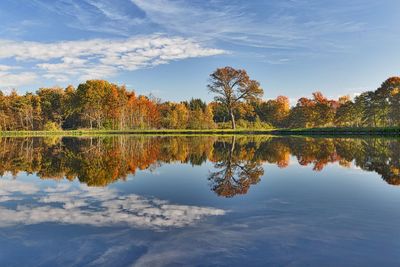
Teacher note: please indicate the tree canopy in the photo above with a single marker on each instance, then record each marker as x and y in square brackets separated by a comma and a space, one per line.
[99, 104]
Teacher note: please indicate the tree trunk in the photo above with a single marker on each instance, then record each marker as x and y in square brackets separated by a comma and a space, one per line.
[232, 119]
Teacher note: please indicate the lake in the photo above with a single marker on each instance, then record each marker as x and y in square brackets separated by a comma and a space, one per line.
[199, 201]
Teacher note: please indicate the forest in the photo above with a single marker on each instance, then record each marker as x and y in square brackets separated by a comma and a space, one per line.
[238, 103]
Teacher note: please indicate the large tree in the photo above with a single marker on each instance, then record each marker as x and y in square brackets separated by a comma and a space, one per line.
[231, 87]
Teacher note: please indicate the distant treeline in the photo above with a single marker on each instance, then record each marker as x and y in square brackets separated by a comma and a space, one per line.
[98, 104]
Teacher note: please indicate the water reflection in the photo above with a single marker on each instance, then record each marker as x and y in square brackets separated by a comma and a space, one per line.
[237, 160]
[66, 204]
[234, 171]
[170, 214]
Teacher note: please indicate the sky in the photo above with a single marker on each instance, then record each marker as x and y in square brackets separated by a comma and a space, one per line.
[168, 48]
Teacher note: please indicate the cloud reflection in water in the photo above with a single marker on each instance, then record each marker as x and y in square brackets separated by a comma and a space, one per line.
[67, 204]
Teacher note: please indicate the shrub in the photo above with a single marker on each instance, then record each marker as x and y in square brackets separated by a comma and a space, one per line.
[51, 126]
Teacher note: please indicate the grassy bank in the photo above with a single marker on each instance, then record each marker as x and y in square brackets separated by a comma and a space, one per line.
[135, 132]
[340, 131]
[300, 131]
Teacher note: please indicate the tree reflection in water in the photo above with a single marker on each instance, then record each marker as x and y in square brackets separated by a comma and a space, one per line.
[238, 161]
[235, 173]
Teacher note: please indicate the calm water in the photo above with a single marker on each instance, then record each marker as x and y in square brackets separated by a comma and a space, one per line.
[199, 201]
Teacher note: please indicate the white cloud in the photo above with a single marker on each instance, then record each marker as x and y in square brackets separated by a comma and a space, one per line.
[9, 80]
[93, 206]
[97, 58]
[9, 187]
[6, 68]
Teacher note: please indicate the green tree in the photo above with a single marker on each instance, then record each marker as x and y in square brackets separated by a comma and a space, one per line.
[390, 91]
[323, 109]
[346, 114]
[51, 101]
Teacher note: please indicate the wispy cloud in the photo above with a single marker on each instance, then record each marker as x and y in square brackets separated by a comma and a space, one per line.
[280, 25]
[271, 25]
[98, 58]
[96, 15]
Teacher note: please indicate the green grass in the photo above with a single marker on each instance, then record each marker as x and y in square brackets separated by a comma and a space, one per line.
[297, 131]
[135, 132]
[342, 132]
[349, 130]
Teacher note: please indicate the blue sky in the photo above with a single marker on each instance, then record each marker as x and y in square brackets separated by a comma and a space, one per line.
[169, 47]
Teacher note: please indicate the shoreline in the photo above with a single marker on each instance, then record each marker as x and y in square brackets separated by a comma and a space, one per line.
[378, 131]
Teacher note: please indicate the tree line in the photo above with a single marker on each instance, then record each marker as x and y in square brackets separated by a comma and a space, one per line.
[99, 104]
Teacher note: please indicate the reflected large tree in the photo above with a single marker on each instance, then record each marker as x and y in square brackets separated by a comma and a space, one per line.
[234, 172]
[232, 86]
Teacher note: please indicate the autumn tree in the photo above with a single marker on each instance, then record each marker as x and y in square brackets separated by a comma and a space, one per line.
[91, 101]
[390, 89]
[100, 104]
[302, 115]
[274, 111]
[52, 104]
[345, 113]
[179, 116]
[200, 115]
[147, 115]
[315, 112]
[71, 108]
[3, 112]
[325, 109]
[231, 86]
